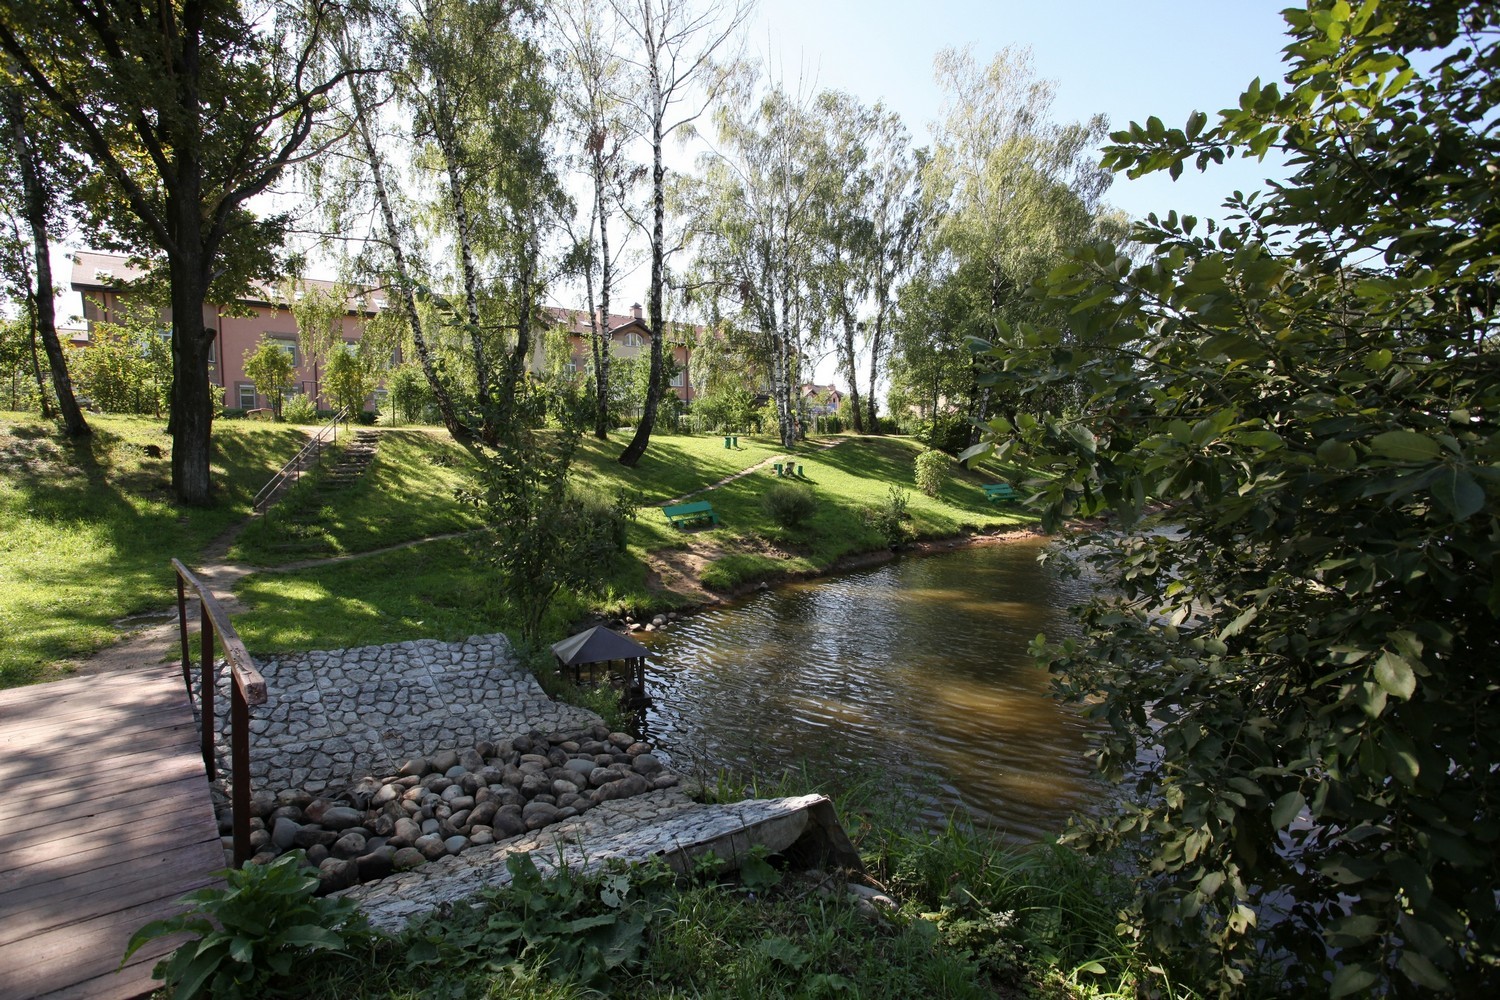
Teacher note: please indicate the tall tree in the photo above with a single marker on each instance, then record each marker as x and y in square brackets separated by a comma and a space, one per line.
[674, 83]
[759, 236]
[1297, 679]
[187, 110]
[592, 77]
[38, 205]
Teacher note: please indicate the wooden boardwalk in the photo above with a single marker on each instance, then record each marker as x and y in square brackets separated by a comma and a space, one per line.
[105, 820]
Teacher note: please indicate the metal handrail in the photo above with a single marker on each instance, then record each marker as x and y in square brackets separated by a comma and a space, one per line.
[293, 469]
[248, 688]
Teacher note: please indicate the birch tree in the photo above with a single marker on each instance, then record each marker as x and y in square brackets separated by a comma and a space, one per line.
[671, 55]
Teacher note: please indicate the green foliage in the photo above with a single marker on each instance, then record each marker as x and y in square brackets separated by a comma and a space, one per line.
[299, 409]
[349, 379]
[581, 929]
[934, 468]
[254, 934]
[270, 367]
[1297, 676]
[890, 519]
[789, 504]
[542, 534]
[127, 365]
[410, 395]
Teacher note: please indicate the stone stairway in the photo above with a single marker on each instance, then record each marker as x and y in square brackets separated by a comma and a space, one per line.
[356, 458]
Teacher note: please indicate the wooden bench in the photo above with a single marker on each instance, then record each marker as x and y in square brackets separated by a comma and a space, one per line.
[686, 513]
[1000, 493]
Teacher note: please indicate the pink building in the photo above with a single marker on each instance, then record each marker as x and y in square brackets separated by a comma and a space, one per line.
[98, 277]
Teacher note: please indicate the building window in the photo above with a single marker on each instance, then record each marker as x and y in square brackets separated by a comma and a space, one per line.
[680, 379]
[290, 347]
[633, 339]
[380, 397]
[246, 393]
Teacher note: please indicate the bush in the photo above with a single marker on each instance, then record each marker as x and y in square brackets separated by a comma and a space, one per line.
[789, 504]
[933, 470]
[299, 410]
[890, 520]
[366, 418]
[254, 933]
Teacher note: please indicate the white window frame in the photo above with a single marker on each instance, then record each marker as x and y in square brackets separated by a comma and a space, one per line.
[239, 392]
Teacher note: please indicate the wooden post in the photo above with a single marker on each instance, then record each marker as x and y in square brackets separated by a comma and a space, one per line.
[187, 656]
[239, 753]
[206, 623]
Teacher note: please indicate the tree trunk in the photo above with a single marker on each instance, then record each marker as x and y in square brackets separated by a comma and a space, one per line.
[192, 399]
[36, 198]
[637, 447]
[601, 326]
[876, 345]
[850, 360]
[405, 286]
[36, 367]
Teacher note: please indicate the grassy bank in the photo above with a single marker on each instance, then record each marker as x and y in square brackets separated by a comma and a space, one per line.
[87, 528]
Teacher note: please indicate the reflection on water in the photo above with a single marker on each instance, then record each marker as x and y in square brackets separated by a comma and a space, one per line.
[914, 674]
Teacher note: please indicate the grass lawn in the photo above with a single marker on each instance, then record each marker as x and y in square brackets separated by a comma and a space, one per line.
[406, 493]
[89, 527]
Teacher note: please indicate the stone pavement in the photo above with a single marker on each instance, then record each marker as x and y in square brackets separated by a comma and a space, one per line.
[335, 716]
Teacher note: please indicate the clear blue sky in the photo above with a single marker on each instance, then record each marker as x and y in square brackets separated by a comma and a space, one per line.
[1127, 59]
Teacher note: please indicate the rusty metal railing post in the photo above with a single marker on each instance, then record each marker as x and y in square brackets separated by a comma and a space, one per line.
[187, 656]
[206, 624]
[239, 756]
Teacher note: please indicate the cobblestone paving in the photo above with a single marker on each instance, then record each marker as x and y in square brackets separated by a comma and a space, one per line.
[334, 716]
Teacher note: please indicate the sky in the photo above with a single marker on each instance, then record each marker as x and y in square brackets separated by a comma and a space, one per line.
[1126, 59]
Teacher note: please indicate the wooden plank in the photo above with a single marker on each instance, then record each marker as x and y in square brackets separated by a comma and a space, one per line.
[102, 811]
[27, 728]
[39, 848]
[36, 765]
[80, 692]
[60, 911]
[163, 864]
[58, 959]
[38, 798]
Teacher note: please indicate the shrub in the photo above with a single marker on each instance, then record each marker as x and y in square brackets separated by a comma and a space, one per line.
[253, 933]
[890, 520]
[933, 470]
[789, 504]
[299, 410]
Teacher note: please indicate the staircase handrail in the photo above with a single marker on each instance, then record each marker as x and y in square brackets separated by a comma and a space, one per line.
[293, 468]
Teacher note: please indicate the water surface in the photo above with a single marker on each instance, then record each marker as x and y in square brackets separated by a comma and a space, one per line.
[914, 674]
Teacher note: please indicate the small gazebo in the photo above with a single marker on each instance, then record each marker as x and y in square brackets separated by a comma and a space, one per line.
[602, 645]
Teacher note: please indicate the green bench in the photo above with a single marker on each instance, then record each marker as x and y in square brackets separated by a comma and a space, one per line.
[1000, 493]
[686, 513]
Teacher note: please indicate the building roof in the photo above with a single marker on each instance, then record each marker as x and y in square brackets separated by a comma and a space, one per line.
[597, 645]
[94, 272]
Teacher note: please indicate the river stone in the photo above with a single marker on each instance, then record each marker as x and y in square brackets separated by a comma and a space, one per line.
[341, 817]
[461, 803]
[484, 748]
[566, 812]
[580, 765]
[484, 812]
[362, 792]
[284, 834]
[317, 854]
[636, 749]
[431, 847]
[377, 864]
[508, 822]
[430, 826]
[387, 793]
[383, 825]
[407, 831]
[624, 788]
[455, 772]
[456, 843]
[666, 780]
[521, 744]
[621, 740]
[263, 858]
[481, 836]
[262, 803]
[350, 845]
[535, 784]
[444, 759]
[315, 810]
[258, 840]
[293, 813]
[293, 797]
[416, 767]
[647, 764]
[457, 821]
[538, 815]
[451, 792]
[600, 776]
[307, 836]
[561, 788]
[407, 858]
[471, 760]
[335, 874]
[471, 783]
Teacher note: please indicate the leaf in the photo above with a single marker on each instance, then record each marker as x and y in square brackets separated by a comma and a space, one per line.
[1353, 979]
[1395, 676]
[1420, 970]
[779, 949]
[1405, 446]
[1457, 492]
[311, 936]
[1287, 808]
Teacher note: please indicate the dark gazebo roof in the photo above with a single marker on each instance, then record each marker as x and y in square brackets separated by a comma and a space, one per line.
[597, 645]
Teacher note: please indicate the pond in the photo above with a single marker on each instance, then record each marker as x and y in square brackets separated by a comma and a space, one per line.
[914, 675]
